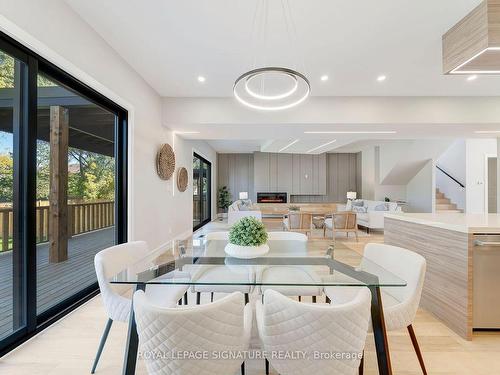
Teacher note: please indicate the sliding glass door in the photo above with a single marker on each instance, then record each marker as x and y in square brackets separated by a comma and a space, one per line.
[63, 186]
[12, 271]
[202, 182]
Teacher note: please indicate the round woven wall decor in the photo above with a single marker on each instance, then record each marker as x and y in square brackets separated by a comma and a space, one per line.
[165, 162]
[182, 179]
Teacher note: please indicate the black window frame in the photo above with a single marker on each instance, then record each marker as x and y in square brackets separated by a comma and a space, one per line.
[25, 185]
[209, 219]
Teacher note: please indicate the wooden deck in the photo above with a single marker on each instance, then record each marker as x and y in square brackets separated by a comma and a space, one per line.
[55, 282]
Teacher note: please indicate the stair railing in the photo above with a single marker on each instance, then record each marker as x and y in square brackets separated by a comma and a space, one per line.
[450, 176]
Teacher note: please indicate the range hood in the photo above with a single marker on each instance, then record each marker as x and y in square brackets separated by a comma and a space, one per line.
[472, 46]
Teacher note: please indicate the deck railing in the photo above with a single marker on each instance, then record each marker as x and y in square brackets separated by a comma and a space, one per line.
[82, 218]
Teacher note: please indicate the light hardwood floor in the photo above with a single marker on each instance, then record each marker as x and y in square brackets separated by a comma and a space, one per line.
[69, 346]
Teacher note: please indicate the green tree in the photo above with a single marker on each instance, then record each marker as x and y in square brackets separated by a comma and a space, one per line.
[6, 178]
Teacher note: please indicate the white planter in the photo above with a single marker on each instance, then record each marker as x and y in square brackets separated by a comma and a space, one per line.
[246, 252]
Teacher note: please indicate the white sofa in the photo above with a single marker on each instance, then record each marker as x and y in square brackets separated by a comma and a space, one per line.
[238, 210]
[372, 218]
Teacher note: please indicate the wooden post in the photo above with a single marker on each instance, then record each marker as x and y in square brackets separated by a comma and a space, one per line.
[58, 196]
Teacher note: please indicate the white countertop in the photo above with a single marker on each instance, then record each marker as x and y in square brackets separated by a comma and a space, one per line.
[466, 223]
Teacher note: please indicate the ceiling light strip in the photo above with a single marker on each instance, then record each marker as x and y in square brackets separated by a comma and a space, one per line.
[351, 132]
[455, 71]
[289, 145]
[321, 146]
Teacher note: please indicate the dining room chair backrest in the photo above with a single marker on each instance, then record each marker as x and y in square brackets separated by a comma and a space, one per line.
[299, 220]
[407, 265]
[223, 326]
[288, 326]
[108, 263]
[344, 220]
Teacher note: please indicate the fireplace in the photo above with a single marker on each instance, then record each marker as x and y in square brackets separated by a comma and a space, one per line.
[271, 197]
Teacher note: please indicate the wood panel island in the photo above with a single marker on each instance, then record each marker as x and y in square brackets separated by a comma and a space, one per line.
[456, 248]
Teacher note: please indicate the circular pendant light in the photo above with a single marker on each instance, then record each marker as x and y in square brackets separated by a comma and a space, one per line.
[272, 88]
[285, 98]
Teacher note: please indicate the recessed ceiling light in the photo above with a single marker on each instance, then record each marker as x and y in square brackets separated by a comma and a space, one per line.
[324, 78]
[381, 78]
[472, 78]
[487, 131]
[351, 132]
[201, 79]
[288, 145]
[321, 146]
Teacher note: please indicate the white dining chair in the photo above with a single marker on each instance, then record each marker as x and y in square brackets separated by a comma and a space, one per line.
[231, 276]
[287, 326]
[111, 261]
[296, 246]
[220, 327]
[400, 304]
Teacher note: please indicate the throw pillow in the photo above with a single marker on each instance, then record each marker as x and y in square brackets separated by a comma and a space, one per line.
[360, 210]
[382, 207]
[358, 203]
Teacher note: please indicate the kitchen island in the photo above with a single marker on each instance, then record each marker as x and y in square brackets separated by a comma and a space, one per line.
[452, 243]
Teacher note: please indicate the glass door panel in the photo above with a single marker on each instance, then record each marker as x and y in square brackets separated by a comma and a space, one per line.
[201, 191]
[12, 275]
[75, 191]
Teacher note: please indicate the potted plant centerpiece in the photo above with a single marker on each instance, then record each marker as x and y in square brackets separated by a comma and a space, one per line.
[247, 239]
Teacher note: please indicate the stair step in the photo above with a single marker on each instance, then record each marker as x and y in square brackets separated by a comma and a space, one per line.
[439, 195]
[450, 211]
[446, 206]
[443, 201]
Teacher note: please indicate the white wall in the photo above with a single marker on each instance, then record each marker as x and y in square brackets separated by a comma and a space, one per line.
[453, 161]
[475, 171]
[420, 191]
[157, 212]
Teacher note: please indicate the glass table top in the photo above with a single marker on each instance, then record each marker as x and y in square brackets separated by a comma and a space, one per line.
[202, 261]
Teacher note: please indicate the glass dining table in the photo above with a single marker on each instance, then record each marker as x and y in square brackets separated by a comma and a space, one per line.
[203, 263]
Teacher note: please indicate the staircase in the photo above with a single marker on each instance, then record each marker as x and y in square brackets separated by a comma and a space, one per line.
[444, 204]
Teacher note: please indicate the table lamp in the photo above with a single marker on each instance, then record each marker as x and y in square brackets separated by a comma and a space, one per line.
[243, 195]
[351, 195]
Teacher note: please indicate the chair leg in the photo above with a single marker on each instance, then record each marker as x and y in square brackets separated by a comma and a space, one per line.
[417, 348]
[243, 368]
[247, 298]
[101, 344]
[327, 300]
[267, 367]
[300, 298]
[314, 299]
[356, 234]
[186, 298]
[198, 298]
[211, 296]
[362, 364]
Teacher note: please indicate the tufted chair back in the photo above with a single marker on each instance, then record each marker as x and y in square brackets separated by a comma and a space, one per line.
[220, 327]
[405, 264]
[290, 326]
[109, 262]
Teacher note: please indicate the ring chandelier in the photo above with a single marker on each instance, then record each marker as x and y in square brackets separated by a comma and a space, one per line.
[272, 88]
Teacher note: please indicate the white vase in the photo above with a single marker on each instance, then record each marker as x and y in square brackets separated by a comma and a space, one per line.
[246, 252]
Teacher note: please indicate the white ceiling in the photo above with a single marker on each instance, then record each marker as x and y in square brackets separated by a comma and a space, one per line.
[170, 43]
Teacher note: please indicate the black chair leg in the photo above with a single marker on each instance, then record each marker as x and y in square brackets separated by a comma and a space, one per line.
[267, 367]
[327, 299]
[243, 368]
[314, 299]
[417, 348]
[300, 298]
[211, 296]
[362, 364]
[186, 298]
[247, 298]
[101, 344]
[198, 298]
